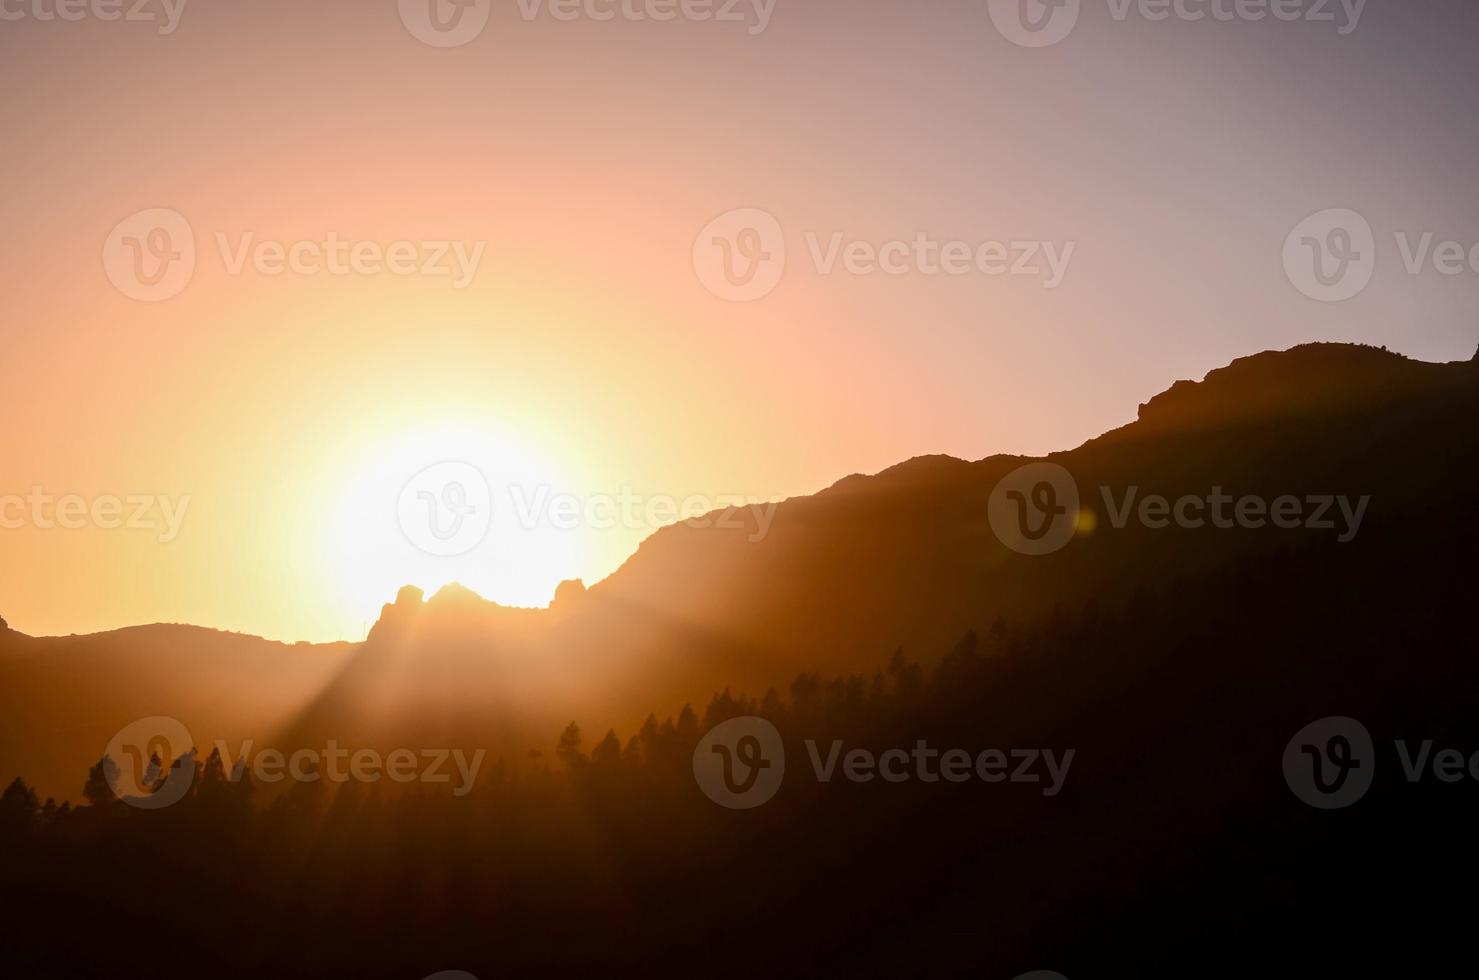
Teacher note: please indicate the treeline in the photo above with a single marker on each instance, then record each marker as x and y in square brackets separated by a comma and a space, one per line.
[657, 749]
[1174, 849]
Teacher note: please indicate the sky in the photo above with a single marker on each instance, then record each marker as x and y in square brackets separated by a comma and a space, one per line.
[281, 280]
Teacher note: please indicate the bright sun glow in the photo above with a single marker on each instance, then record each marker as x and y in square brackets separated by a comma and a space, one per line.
[383, 529]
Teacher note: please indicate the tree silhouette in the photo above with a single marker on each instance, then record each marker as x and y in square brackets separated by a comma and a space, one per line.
[101, 778]
[908, 677]
[18, 806]
[607, 754]
[567, 750]
[687, 725]
[621, 863]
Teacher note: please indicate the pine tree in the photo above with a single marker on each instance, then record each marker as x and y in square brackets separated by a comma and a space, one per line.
[101, 778]
[687, 725]
[213, 788]
[18, 806]
[568, 748]
[771, 706]
[649, 737]
[607, 755]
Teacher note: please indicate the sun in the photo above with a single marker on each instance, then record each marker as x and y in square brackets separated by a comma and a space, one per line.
[444, 504]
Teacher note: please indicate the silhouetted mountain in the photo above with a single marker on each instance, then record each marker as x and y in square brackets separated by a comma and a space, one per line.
[835, 582]
[63, 698]
[1174, 848]
[907, 557]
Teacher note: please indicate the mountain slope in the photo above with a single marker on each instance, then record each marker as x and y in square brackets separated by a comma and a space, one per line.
[906, 557]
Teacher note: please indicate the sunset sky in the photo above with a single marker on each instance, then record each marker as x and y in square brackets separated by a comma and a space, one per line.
[580, 160]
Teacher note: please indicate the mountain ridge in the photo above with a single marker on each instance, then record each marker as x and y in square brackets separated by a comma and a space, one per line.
[1270, 370]
[840, 579]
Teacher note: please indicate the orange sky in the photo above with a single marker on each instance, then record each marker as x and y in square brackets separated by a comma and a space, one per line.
[585, 356]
